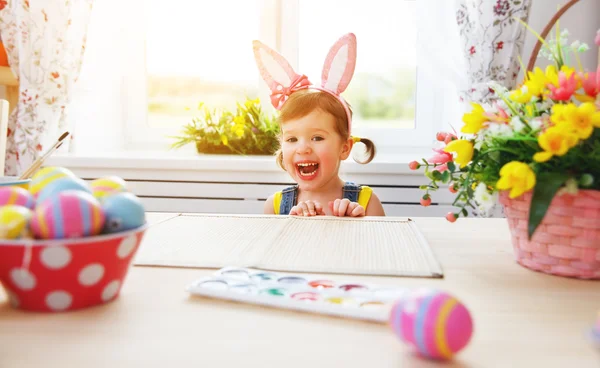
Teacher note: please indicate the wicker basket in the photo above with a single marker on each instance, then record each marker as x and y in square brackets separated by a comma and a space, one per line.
[566, 243]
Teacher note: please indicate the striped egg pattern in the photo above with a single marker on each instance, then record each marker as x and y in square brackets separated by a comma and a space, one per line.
[16, 196]
[47, 175]
[70, 214]
[103, 187]
[435, 323]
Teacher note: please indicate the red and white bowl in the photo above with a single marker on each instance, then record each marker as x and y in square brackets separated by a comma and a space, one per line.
[67, 274]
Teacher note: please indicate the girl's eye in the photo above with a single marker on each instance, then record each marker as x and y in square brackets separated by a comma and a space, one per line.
[291, 139]
[317, 139]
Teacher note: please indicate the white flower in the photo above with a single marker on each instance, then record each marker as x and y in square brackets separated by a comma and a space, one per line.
[485, 200]
[536, 123]
[571, 187]
[517, 124]
[500, 130]
[498, 88]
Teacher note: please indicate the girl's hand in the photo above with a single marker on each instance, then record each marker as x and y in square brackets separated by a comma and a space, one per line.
[307, 208]
[343, 207]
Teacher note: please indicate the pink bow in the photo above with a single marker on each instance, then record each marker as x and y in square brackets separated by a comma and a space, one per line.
[278, 97]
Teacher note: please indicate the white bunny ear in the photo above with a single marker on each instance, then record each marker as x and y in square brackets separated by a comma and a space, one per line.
[273, 67]
[339, 64]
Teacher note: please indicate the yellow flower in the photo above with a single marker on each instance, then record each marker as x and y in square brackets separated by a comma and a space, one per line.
[249, 103]
[580, 119]
[558, 114]
[555, 141]
[537, 82]
[224, 139]
[521, 95]
[516, 176]
[463, 149]
[239, 120]
[474, 120]
[239, 130]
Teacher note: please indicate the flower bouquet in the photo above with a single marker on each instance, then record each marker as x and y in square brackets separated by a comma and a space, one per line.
[536, 150]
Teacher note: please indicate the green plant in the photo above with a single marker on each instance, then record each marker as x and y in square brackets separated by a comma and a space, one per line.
[246, 131]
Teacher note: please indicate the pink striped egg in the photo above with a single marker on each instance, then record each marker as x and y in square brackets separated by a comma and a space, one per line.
[16, 196]
[435, 323]
[69, 214]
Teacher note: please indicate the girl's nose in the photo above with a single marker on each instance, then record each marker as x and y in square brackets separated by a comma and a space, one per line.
[304, 147]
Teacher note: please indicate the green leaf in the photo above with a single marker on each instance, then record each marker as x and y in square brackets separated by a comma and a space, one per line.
[547, 184]
[446, 177]
[436, 175]
[496, 22]
[451, 166]
[423, 187]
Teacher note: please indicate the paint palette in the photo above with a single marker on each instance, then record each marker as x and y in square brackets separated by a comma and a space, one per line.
[301, 292]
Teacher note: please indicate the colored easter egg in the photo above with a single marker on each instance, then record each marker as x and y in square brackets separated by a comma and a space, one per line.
[14, 221]
[123, 211]
[435, 323]
[69, 214]
[46, 176]
[103, 187]
[60, 185]
[17, 196]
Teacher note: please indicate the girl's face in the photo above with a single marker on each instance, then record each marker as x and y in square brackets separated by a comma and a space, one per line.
[312, 150]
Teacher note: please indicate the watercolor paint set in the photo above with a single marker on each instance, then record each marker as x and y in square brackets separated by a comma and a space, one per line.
[300, 292]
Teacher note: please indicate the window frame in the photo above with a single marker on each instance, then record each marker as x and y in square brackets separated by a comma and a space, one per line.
[389, 141]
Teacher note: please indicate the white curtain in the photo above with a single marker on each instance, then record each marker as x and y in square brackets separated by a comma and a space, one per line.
[440, 63]
[45, 43]
[112, 79]
[491, 40]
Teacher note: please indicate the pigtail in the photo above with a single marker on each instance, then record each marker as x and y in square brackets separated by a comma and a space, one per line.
[369, 151]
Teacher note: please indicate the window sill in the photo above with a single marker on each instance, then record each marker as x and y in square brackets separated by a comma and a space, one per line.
[174, 161]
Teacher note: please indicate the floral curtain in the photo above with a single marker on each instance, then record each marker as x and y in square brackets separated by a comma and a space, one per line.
[491, 41]
[45, 43]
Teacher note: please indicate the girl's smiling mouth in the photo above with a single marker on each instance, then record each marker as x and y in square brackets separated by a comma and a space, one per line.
[307, 170]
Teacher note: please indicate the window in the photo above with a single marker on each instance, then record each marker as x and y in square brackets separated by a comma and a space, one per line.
[167, 57]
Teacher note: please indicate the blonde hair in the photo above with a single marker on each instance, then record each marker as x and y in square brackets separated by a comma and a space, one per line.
[303, 102]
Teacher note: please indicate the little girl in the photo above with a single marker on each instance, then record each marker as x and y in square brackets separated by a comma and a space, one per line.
[316, 136]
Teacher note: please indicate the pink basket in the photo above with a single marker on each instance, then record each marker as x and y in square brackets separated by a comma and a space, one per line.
[566, 243]
[67, 274]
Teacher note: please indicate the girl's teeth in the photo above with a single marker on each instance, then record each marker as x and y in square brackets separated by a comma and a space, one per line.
[308, 174]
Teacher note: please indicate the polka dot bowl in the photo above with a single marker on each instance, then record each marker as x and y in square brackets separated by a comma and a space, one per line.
[67, 274]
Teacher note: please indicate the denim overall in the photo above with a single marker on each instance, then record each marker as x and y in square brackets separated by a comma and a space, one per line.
[289, 196]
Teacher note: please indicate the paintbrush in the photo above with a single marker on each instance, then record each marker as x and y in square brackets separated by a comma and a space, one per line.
[38, 163]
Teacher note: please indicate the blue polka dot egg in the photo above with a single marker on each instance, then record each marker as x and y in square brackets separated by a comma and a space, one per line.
[123, 211]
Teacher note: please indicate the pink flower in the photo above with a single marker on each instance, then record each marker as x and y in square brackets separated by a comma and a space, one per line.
[414, 165]
[591, 83]
[500, 117]
[450, 137]
[440, 157]
[441, 168]
[441, 136]
[566, 87]
[451, 217]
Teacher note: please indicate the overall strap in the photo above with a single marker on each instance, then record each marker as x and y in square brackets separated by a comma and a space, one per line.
[351, 191]
[288, 199]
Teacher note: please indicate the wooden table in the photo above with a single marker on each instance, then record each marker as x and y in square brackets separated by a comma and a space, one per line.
[522, 319]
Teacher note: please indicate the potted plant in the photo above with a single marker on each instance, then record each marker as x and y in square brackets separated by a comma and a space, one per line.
[536, 149]
[246, 131]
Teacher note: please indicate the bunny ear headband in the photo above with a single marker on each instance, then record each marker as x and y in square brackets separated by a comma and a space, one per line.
[283, 80]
